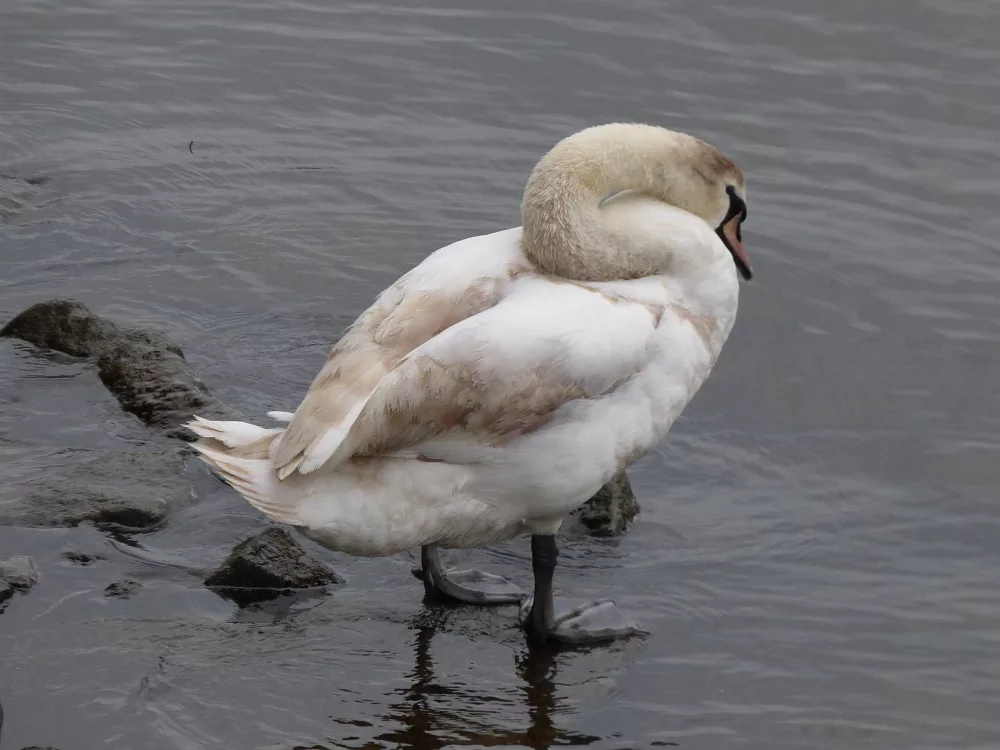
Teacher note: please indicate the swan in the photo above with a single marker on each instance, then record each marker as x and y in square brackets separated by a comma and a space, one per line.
[497, 385]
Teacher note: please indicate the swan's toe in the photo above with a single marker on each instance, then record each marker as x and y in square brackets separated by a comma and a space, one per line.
[594, 622]
[472, 587]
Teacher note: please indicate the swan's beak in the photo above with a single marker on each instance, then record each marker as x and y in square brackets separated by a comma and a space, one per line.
[731, 237]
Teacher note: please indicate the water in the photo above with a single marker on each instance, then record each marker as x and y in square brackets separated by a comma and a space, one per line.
[817, 553]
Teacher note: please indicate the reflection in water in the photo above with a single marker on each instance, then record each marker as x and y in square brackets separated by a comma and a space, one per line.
[424, 722]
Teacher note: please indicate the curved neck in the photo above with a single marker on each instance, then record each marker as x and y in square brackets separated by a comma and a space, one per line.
[566, 232]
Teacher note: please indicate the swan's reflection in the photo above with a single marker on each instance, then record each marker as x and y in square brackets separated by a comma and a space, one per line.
[430, 716]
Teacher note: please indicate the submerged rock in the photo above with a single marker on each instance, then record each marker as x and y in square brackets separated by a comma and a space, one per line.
[611, 510]
[267, 565]
[16, 573]
[15, 192]
[122, 589]
[143, 369]
[132, 491]
[82, 558]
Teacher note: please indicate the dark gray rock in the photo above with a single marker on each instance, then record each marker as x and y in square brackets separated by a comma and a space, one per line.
[132, 491]
[143, 369]
[611, 510]
[266, 565]
[64, 325]
[151, 379]
[122, 589]
[82, 558]
[16, 573]
[19, 572]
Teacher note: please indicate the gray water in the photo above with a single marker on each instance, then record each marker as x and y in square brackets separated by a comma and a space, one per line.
[818, 553]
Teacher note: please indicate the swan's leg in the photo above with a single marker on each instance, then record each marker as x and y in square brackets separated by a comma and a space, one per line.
[470, 586]
[593, 622]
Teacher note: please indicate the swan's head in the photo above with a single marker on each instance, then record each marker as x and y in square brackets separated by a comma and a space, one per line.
[587, 168]
[699, 178]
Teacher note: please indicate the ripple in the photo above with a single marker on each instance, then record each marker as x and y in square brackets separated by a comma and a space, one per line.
[816, 548]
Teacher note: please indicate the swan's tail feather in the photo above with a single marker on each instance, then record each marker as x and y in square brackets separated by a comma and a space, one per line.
[239, 453]
[243, 438]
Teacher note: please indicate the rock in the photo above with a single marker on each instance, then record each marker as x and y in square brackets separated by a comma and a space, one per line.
[82, 558]
[130, 491]
[16, 573]
[143, 369]
[122, 589]
[266, 565]
[19, 572]
[61, 324]
[151, 379]
[609, 512]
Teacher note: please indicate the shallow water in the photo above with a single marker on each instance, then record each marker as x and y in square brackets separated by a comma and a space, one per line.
[817, 553]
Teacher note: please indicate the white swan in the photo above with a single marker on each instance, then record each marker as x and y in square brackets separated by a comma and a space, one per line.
[500, 383]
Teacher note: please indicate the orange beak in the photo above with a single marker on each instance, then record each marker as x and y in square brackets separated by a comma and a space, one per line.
[731, 237]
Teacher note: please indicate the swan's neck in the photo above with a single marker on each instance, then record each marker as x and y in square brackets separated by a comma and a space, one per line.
[567, 233]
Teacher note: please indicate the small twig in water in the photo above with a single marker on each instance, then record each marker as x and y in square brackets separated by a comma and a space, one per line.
[191, 147]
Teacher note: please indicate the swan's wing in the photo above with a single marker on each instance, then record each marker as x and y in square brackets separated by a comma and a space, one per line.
[452, 284]
[504, 371]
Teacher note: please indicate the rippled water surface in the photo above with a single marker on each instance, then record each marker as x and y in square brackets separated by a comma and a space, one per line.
[818, 551]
